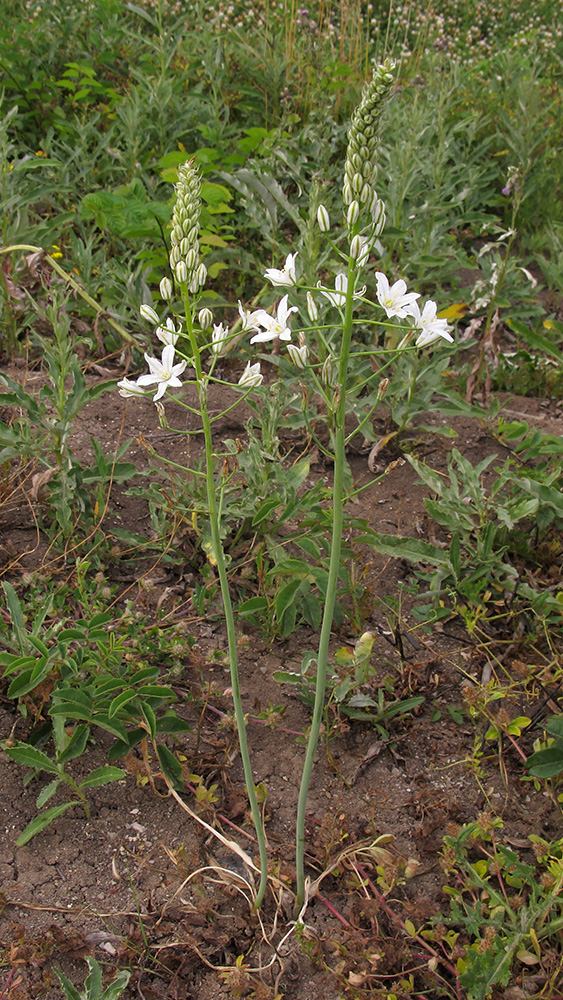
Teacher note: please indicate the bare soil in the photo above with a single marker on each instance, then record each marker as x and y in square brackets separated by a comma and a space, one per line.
[143, 885]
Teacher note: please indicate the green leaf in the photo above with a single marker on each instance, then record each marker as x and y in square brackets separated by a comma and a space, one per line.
[170, 723]
[554, 725]
[40, 822]
[47, 793]
[535, 339]
[16, 615]
[70, 990]
[76, 744]
[546, 763]
[30, 757]
[102, 776]
[93, 981]
[156, 691]
[112, 726]
[115, 988]
[265, 509]
[284, 599]
[170, 766]
[412, 549]
[122, 699]
[150, 719]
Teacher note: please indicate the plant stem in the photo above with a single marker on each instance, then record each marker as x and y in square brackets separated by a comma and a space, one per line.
[219, 556]
[330, 599]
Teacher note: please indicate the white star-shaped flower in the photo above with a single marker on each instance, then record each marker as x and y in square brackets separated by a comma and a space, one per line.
[164, 374]
[251, 375]
[394, 298]
[273, 326]
[287, 275]
[128, 388]
[168, 334]
[338, 296]
[431, 327]
[219, 338]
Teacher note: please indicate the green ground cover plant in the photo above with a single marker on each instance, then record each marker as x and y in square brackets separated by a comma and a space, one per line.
[175, 172]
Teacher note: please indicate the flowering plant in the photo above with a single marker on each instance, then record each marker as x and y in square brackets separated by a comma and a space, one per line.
[317, 356]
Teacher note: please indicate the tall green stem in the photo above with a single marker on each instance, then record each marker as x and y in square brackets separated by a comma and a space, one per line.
[330, 599]
[202, 382]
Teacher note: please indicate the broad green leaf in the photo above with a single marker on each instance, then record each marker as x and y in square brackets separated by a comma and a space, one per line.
[30, 757]
[554, 725]
[170, 766]
[71, 993]
[546, 763]
[40, 822]
[115, 988]
[93, 981]
[155, 691]
[122, 699]
[76, 745]
[412, 549]
[102, 776]
[284, 599]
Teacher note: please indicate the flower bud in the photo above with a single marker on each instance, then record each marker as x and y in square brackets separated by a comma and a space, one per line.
[382, 389]
[328, 374]
[323, 219]
[181, 272]
[352, 213]
[312, 308]
[166, 289]
[298, 355]
[347, 193]
[191, 259]
[205, 317]
[148, 313]
[356, 247]
[201, 275]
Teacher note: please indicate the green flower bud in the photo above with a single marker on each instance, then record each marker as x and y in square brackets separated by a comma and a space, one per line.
[360, 169]
[323, 219]
[166, 289]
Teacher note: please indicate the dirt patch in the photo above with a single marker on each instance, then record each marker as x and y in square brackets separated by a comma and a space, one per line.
[142, 884]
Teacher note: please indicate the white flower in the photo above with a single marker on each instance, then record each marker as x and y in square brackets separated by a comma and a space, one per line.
[338, 297]
[298, 355]
[251, 375]
[395, 299]
[148, 313]
[128, 388]
[428, 323]
[168, 334]
[287, 275]
[247, 318]
[273, 326]
[219, 338]
[163, 373]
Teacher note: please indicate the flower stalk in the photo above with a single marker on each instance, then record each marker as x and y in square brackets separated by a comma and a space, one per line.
[332, 584]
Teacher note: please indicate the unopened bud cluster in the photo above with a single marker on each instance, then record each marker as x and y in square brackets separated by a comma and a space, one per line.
[184, 238]
[360, 170]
